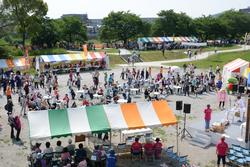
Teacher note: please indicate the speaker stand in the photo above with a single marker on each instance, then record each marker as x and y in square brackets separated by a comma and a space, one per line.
[184, 130]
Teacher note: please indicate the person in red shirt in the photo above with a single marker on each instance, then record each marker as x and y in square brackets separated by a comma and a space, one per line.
[66, 100]
[207, 117]
[85, 102]
[136, 147]
[149, 149]
[221, 151]
[157, 148]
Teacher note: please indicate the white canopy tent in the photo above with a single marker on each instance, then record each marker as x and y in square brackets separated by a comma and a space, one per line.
[235, 67]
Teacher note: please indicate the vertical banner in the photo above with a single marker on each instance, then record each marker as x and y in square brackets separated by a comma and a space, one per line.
[85, 49]
[37, 63]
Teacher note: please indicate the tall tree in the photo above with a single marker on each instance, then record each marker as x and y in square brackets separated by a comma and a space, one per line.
[170, 23]
[25, 14]
[237, 23]
[47, 33]
[74, 30]
[121, 26]
[208, 27]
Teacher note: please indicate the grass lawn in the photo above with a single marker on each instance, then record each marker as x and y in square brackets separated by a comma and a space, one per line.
[115, 59]
[220, 59]
[148, 56]
[108, 50]
[211, 48]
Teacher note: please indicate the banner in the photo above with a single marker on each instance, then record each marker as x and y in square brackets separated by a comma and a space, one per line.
[193, 44]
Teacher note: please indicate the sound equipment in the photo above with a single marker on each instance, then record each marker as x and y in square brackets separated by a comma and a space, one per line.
[187, 108]
[241, 89]
[235, 88]
[178, 105]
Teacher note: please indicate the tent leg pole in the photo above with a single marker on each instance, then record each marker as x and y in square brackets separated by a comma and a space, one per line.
[110, 138]
[177, 140]
[120, 136]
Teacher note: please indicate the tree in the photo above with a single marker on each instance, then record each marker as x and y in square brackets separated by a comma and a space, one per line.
[47, 33]
[236, 23]
[121, 26]
[73, 30]
[208, 27]
[25, 14]
[170, 23]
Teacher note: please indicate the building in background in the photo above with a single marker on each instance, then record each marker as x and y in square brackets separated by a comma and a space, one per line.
[246, 10]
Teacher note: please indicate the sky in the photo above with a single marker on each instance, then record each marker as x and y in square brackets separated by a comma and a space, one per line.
[97, 9]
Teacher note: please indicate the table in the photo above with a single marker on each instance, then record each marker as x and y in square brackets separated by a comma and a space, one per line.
[176, 88]
[79, 93]
[97, 96]
[122, 101]
[47, 97]
[134, 90]
[157, 93]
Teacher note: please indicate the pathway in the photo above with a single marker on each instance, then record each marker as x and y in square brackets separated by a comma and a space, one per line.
[203, 55]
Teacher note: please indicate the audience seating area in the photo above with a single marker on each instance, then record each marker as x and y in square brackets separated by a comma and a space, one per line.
[176, 160]
[238, 156]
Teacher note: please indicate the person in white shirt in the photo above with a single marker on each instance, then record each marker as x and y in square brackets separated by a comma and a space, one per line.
[242, 107]
[48, 149]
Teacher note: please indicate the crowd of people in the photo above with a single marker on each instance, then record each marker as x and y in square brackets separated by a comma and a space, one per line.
[41, 90]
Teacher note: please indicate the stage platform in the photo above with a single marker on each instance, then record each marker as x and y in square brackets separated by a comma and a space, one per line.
[233, 132]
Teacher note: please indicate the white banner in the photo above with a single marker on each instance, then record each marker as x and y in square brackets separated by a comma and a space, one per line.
[193, 44]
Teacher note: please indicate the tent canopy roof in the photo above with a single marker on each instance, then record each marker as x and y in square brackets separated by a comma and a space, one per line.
[75, 121]
[73, 57]
[234, 65]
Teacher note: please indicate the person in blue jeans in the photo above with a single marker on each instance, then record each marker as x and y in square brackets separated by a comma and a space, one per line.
[111, 159]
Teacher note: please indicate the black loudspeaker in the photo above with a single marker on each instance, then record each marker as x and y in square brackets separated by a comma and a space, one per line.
[187, 108]
[241, 89]
[235, 88]
[178, 105]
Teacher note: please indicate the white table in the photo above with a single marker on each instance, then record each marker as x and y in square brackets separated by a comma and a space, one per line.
[97, 96]
[176, 89]
[79, 93]
[134, 90]
[122, 101]
[47, 97]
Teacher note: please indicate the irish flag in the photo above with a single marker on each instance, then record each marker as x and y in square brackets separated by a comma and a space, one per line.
[99, 118]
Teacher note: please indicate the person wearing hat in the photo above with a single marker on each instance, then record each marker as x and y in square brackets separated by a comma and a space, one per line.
[71, 147]
[157, 148]
[111, 159]
[221, 151]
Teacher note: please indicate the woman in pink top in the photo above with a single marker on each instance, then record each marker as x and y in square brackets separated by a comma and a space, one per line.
[65, 156]
[208, 112]
[222, 97]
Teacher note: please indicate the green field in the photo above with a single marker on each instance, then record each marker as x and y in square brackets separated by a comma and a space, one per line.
[148, 56]
[211, 48]
[220, 59]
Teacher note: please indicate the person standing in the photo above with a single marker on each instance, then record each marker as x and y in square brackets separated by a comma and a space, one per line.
[242, 108]
[222, 97]
[207, 112]
[17, 127]
[11, 121]
[221, 151]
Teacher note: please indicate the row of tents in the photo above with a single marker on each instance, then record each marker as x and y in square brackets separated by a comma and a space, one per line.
[167, 39]
[73, 57]
[24, 62]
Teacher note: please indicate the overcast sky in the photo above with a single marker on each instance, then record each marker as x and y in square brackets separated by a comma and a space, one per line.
[144, 8]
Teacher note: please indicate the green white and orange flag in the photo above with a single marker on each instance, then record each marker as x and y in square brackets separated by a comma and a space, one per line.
[99, 118]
